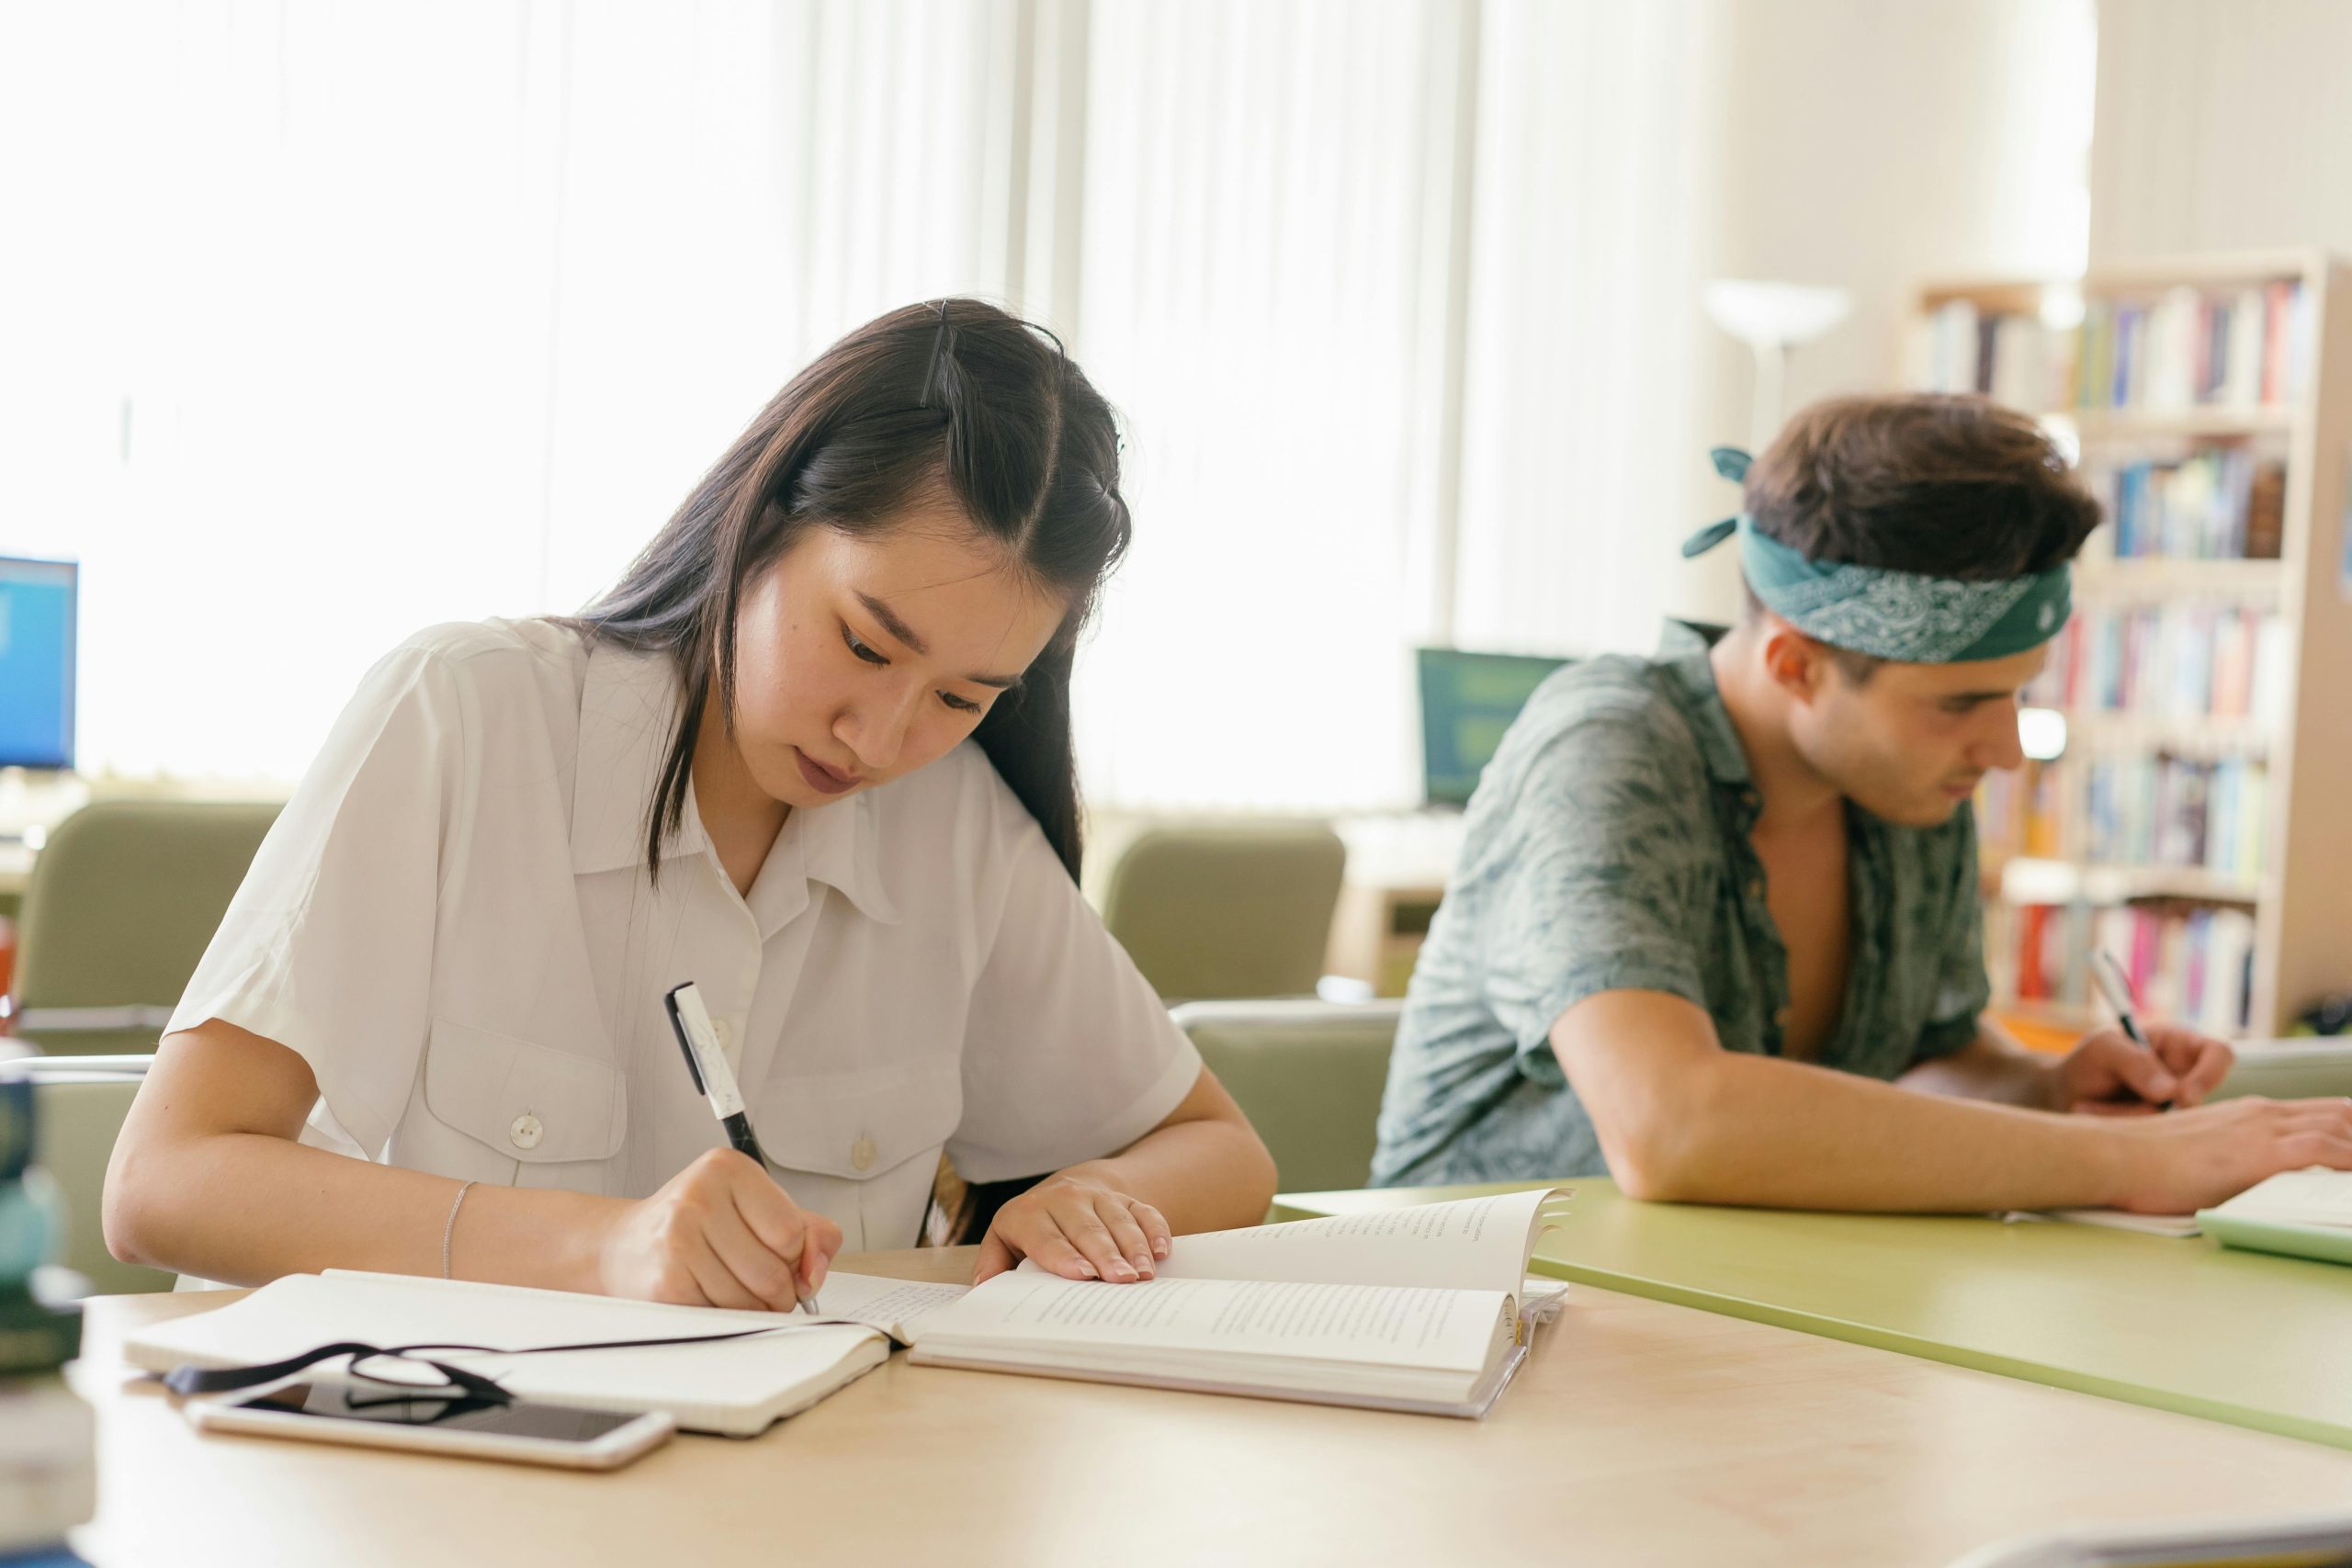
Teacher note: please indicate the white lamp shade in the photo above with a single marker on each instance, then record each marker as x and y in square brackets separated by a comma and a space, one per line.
[1770, 315]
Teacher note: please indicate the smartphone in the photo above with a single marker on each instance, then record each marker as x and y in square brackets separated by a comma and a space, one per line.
[560, 1435]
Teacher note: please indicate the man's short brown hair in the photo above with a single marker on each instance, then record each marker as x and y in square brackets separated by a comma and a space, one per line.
[1941, 486]
[1924, 482]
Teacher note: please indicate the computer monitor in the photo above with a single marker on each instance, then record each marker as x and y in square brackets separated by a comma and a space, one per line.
[38, 610]
[1468, 700]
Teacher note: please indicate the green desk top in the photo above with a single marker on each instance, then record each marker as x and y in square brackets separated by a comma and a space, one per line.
[2180, 1324]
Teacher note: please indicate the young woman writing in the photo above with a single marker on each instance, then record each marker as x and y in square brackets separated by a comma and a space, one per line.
[813, 754]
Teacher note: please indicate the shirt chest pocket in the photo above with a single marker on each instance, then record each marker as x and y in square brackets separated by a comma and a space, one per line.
[529, 1102]
[857, 1126]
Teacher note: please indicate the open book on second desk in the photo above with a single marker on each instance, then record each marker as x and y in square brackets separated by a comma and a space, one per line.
[1410, 1309]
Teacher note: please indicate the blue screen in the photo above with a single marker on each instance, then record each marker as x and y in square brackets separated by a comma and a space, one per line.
[1468, 700]
[37, 629]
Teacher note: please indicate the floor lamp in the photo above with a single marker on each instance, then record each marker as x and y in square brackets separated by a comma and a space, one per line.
[1773, 320]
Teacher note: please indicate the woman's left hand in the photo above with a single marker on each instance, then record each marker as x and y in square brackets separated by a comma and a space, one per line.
[1078, 1225]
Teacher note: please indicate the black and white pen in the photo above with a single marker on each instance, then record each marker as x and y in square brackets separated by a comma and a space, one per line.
[2116, 986]
[715, 1081]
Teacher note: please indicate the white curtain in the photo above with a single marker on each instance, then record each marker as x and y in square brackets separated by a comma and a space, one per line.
[1582, 416]
[1250, 289]
[320, 322]
[328, 322]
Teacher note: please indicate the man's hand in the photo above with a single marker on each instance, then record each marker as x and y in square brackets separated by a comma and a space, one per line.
[2107, 1075]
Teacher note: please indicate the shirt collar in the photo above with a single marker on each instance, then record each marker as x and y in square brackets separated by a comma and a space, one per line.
[1682, 653]
[629, 712]
[841, 847]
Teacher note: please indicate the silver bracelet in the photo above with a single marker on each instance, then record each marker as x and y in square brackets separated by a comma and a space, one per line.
[450, 1229]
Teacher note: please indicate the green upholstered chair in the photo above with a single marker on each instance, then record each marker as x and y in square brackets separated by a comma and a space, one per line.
[1308, 1075]
[1226, 909]
[78, 1106]
[121, 902]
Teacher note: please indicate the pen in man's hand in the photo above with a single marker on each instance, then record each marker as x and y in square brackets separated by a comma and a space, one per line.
[2116, 986]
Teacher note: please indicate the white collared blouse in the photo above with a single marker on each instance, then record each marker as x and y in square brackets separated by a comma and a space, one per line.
[452, 923]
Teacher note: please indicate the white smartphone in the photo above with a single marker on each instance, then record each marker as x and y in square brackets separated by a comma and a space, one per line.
[560, 1434]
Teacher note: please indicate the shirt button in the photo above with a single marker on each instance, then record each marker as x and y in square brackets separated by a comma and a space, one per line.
[861, 1153]
[525, 1131]
[1781, 1018]
[1756, 887]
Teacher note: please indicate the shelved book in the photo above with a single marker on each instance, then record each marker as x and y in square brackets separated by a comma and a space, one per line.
[2189, 963]
[2213, 502]
[2193, 658]
[2178, 349]
[1422, 1309]
[2153, 812]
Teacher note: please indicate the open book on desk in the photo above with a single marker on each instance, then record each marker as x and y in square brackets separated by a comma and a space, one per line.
[1409, 1309]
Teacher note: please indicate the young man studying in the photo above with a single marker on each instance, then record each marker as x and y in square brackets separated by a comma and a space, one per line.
[1716, 926]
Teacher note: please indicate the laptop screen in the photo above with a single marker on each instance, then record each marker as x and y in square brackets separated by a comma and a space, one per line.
[1468, 700]
[37, 611]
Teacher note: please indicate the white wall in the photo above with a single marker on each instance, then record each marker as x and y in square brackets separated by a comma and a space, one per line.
[2221, 126]
[1871, 146]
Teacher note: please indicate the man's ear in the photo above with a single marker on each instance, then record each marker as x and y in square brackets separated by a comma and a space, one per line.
[1797, 664]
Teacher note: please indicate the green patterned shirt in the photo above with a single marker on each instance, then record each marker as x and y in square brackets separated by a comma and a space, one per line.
[1607, 849]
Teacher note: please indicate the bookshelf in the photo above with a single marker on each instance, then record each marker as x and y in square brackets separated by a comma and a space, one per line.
[2193, 821]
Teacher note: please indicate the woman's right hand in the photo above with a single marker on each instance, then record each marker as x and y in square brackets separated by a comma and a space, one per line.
[2185, 1160]
[721, 1232]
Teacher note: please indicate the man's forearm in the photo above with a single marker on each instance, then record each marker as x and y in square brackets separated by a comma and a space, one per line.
[1754, 1130]
[1992, 1066]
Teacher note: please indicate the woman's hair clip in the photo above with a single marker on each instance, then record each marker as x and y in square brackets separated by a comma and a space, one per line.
[938, 352]
[1730, 462]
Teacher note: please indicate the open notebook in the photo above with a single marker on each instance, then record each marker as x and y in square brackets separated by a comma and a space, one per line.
[1409, 1309]
[2304, 1213]
[732, 1386]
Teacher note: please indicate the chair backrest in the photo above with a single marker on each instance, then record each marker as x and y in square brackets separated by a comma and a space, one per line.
[1308, 1075]
[1226, 909]
[78, 1107]
[121, 903]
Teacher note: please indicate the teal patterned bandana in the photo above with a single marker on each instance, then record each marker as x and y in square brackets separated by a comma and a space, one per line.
[1898, 616]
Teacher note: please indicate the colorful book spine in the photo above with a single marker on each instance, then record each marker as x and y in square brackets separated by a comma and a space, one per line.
[2216, 504]
[2186, 660]
[2192, 965]
[2184, 348]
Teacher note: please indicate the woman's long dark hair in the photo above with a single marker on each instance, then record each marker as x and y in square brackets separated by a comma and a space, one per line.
[956, 393]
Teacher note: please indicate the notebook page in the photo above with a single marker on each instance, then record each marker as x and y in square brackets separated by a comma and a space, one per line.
[301, 1312]
[894, 1306]
[1470, 1244]
[2314, 1197]
[1158, 1321]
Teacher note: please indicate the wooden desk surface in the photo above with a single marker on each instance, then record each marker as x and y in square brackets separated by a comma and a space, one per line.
[1638, 1432]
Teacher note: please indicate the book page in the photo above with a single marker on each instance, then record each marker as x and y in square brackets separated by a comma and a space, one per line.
[1479, 1243]
[894, 1306]
[2113, 1219]
[2314, 1197]
[1392, 1326]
